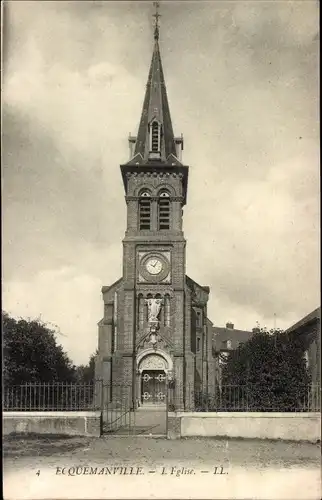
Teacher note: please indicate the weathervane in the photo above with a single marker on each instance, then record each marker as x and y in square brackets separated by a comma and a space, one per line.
[156, 22]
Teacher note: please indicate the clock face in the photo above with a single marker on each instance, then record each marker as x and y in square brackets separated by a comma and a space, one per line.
[154, 266]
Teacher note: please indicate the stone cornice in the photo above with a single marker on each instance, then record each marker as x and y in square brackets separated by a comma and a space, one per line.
[154, 173]
[151, 237]
[154, 198]
[143, 290]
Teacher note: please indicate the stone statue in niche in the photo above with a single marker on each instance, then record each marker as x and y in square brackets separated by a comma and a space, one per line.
[154, 308]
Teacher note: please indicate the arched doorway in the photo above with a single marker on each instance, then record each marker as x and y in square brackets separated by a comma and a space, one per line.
[153, 369]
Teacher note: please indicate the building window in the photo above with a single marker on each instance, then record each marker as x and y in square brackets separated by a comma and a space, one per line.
[198, 344]
[141, 311]
[146, 314]
[145, 211]
[164, 211]
[226, 344]
[306, 358]
[198, 319]
[166, 310]
[160, 315]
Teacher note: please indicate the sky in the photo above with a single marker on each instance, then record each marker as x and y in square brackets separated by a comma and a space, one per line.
[242, 83]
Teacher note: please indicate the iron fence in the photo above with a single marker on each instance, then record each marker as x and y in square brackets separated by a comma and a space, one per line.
[49, 397]
[116, 400]
[256, 398]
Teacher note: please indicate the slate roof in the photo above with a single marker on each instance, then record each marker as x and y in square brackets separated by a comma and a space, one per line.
[309, 318]
[192, 283]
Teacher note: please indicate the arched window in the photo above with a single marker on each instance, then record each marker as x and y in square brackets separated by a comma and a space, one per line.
[166, 310]
[141, 311]
[161, 311]
[146, 314]
[155, 137]
[164, 211]
[145, 211]
[198, 318]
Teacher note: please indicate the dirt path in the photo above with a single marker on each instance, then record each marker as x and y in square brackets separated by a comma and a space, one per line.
[142, 467]
[253, 452]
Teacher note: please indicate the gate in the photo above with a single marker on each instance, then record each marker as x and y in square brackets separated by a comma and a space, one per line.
[122, 416]
[118, 416]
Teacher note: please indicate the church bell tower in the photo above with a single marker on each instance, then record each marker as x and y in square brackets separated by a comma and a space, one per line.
[155, 183]
[145, 337]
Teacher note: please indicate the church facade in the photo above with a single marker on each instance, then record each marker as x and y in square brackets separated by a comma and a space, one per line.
[155, 335]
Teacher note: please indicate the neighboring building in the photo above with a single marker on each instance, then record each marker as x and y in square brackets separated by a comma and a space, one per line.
[228, 339]
[309, 328]
[155, 324]
[225, 340]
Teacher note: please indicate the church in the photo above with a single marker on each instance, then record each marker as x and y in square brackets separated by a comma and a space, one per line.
[155, 335]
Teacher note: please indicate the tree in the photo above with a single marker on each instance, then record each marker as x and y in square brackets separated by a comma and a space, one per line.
[268, 372]
[86, 373]
[31, 353]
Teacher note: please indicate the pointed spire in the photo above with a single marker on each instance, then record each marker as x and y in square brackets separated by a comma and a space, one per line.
[155, 139]
[156, 23]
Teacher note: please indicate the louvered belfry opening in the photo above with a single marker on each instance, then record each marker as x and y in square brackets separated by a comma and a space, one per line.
[164, 211]
[145, 212]
[155, 140]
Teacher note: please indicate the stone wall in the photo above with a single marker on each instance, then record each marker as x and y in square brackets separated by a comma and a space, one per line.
[285, 426]
[72, 423]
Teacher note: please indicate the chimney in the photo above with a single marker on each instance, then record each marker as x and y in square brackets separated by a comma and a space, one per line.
[230, 326]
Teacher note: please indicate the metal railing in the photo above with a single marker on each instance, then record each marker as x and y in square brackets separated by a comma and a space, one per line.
[49, 397]
[116, 400]
[117, 408]
[255, 398]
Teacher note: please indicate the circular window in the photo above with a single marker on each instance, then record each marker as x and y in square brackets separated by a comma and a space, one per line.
[145, 194]
[164, 194]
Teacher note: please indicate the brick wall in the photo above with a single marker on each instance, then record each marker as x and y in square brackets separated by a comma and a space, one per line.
[122, 360]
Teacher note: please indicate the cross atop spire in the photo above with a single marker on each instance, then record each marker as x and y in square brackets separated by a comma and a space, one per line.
[156, 22]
